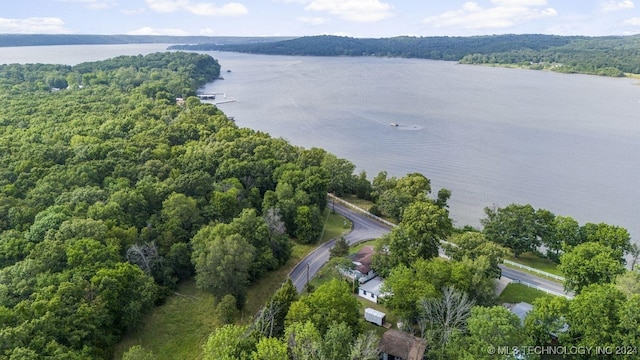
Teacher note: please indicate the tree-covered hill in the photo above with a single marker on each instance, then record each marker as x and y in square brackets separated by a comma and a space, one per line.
[105, 179]
[89, 39]
[610, 56]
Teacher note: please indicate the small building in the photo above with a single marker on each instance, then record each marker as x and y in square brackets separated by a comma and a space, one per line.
[399, 345]
[374, 316]
[521, 309]
[371, 289]
[362, 261]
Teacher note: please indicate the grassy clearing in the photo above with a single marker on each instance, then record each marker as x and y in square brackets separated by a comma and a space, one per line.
[536, 262]
[389, 318]
[356, 248]
[335, 226]
[361, 203]
[178, 328]
[515, 293]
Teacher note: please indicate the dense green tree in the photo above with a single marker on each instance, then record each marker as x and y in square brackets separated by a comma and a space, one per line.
[308, 222]
[615, 237]
[337, 342]
[517, 227]
[566, 234]
[330, 302]
[473, 245]
[269, 348]
[487, 327]
[589, 263]
[594, 316]
[547, 320]
[229, 342]
[305, 341]
[222, 263]
[340, 248]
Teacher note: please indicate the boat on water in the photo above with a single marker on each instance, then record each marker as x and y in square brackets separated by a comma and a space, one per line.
[394, 124]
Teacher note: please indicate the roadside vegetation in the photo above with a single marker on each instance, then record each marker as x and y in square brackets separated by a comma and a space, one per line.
[128, 208]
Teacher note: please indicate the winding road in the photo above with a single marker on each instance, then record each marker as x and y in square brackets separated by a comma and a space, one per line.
[363, 228]
[367, 228]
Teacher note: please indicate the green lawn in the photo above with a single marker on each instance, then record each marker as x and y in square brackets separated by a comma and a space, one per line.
[515, 293]
[537, 262]
[389, 318]
[364, 204]
[178, 328]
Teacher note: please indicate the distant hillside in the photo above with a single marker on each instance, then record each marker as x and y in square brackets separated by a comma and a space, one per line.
[610, 56]
[67, 39]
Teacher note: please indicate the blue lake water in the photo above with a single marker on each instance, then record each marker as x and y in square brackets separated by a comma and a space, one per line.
[493, 136]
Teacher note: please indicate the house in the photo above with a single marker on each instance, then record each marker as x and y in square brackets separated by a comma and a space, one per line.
[399, 345]
[371, 289]
[521, 309]
[362, 261]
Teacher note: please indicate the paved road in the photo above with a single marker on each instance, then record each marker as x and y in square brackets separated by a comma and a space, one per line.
[366, 228]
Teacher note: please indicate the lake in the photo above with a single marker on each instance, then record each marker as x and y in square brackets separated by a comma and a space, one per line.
[493, 136]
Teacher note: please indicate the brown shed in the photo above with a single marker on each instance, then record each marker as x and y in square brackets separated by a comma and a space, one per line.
[399, 345]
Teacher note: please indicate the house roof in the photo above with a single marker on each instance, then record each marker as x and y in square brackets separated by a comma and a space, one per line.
[403, 345]
[363, 259]
[373, 286]
[521, 309]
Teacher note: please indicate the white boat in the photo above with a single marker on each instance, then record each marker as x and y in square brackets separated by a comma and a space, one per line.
[394, 124]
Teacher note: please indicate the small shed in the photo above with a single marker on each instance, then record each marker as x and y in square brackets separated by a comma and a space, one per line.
[398, 345]
[374, 316]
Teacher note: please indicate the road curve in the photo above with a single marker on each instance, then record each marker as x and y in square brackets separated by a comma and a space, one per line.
[363, 228]
[366, 228]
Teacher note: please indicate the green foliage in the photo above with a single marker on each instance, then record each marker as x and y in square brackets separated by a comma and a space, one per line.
[606, 56]
[137, 352]
[105, 183]
[517, 227]
[269, 348]
[229, 342]
[590, 263]
[308, 222]
[340, 248]
[487, 327]
[473, 245]
[330, 302]
[226, 309]
[222, 263]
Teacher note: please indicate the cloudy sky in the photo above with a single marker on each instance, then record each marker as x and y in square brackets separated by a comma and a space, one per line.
[357, 18]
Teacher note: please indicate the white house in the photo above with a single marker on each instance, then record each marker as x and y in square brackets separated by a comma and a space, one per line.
[371, 289]
[362, 261]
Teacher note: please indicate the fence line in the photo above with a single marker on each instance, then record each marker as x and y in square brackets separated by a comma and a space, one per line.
[363, 211]
[542, 289]
[537, 271]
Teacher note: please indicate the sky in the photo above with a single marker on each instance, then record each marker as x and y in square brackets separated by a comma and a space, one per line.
[355, 18]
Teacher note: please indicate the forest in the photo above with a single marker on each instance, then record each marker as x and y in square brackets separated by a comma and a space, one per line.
[607, 56]
[88, 39]
[112, 191]
[117, 184]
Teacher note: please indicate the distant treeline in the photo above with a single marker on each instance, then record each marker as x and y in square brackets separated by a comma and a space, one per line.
[610, 56]
[7, 40]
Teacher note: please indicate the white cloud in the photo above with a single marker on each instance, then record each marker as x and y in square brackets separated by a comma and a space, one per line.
[634, 21]
[131, 12]
[207, 9]
[615, 5]
[95, 4]
[503, 14]
[151, 31]
[197, 8]
[36, 25]
[207, 31]
[315, 20]
[353, 10]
